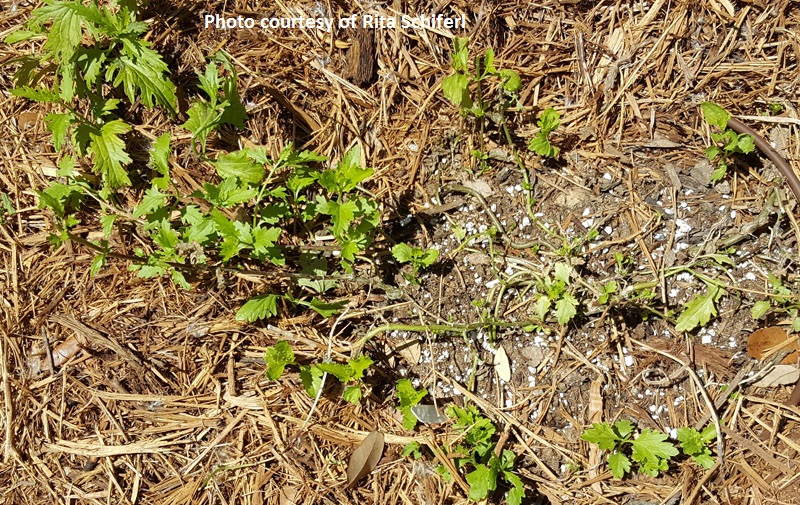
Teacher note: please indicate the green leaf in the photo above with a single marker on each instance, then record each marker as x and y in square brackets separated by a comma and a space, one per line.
[460, 54]
[277, 357]
[238, 164]
[651, 447]
[58, 124]
[36, 94]
[347, 174]
[341, 214]
[601, 434]
[719, 173]
[517, 491]
[510, 80]
[66, 32]
[411, 448]
[619, 464]
[566, 308]
[563, 271]
[409, 397]
[745, 143]
[107, 223]
[202, 119]
[312, 379]
[97, 263]
[19, 35]
[541, 307]
[624, 428]
[402, 252]
[482, 481]
[704, 460]
[715, 115]
[691, 441]
[324, 309]
[541, 146]
[759, 309]
[700, 309]
[153, 200]
[352, 394]
[455, 89]
[159, 160]
[141, 71]
[258, 307]
[549, 120]
[108, 151]
[360, 365]
[343, 372]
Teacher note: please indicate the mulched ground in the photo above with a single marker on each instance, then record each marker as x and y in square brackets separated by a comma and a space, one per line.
[174, 407]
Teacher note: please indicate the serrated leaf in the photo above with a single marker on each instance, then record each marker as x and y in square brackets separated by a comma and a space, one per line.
[238, 164]
[517, 491]
[407, 395]
[650, 447]
[202, 119]
[58, 124]
[624, 428]
[715, 115]
[619, 464]
[700, 309]
[542, 306]
[601, 434]
[562, 272]
[97, 263]
[341, 214]
[66, 32]
[745, 143]
[107, 223]
[511, 81]
[36, 94]
[153, 199]
[541, 146]
[341, 371]
[360, 365]
[258, 307]
[20, 35]
[108, 151]
[277, 357]
[549, 120]
[402, 252]
[460, 53]
[691, 441]
[141, 71]
[159, 160]
[704, 460]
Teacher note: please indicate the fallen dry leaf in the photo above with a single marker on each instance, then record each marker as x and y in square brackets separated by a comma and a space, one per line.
[502, 365]
[764, 342]
[780, 375]
[365, 458]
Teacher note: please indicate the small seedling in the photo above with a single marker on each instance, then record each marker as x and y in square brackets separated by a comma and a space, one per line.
[731, 142]
[555, 290]
[650, 449]
[549, 120]
[350, 374]
[487, 466]
[419, 258]
[696, 444]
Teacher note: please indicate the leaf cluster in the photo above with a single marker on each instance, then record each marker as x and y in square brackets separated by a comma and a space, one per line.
[486, 466]
[554, 290]
[350, 374]
[548, 121]
[727, 142]
[650, 449]
[418, 258]
[96, 55]
[456, 87]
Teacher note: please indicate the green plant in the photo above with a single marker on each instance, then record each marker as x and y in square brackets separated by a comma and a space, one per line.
[93, 52]
[7, 210]
[650, 449]
[419, 258]
[695, 444]
[487, 464]
[222, 106]
[350, 374]
[409, 397]
[456, 87]
[548, 121]
[554, 290]
[699, 310]
[731, 142]
[782, 299]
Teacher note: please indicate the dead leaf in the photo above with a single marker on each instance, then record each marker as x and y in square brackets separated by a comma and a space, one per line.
[764, 342]
[288, 495]
[480, 186]
[780, 375]
[365, 458]
[410, 350]
[502, 365]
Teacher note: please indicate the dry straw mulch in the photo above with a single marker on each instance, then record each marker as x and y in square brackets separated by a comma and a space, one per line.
[167, 403]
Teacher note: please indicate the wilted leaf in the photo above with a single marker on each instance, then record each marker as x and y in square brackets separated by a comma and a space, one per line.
[365, 458]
